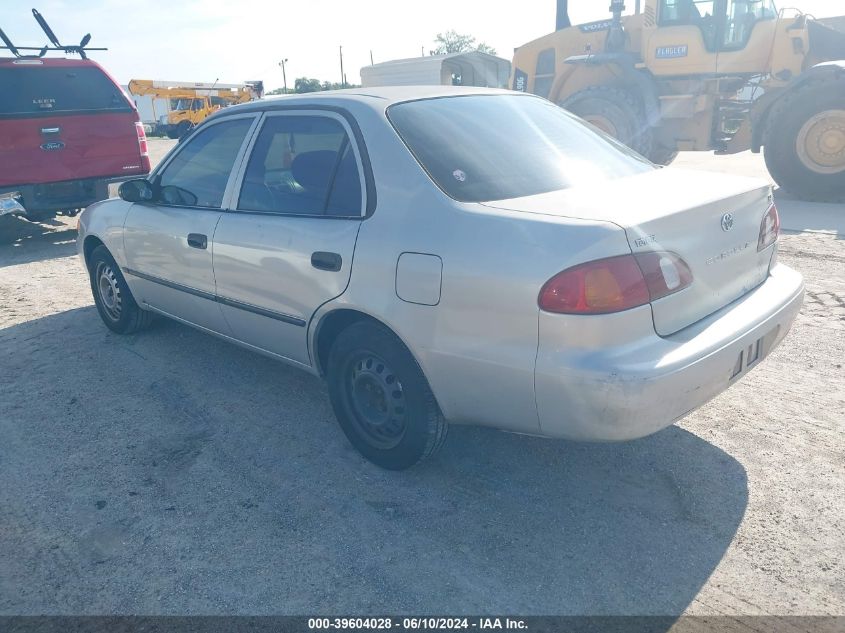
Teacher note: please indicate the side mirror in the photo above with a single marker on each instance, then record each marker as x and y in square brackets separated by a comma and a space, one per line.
[138, 190]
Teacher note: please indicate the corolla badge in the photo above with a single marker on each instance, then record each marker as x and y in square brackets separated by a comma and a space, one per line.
[52, 146]
[727, 222]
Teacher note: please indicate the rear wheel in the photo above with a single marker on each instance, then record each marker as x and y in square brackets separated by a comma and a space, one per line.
[805, 142]
[381, 398]
[114, 301]
[616, 112]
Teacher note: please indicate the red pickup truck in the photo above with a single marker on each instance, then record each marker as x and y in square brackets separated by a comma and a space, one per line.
[67, 130]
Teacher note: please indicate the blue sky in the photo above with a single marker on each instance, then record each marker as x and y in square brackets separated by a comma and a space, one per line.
[237, 40]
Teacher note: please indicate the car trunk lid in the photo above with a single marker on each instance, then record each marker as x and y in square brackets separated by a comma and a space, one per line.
[712, 221]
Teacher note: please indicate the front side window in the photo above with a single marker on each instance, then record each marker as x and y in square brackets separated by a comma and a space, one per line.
[302, 165]
[741, 17]
[700, 13]
[493, 147]
[198, 174]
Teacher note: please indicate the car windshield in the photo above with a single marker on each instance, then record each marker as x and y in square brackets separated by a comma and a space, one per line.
[46, 91]
[479, 148]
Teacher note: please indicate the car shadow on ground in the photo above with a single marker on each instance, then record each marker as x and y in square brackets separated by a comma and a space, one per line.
[799, 215]
[169, 472]
[23, 242]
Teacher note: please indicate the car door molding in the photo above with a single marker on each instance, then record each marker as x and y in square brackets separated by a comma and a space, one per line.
[233, 303]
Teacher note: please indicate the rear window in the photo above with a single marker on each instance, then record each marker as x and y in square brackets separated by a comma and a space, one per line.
[42, 91]
[493, 147]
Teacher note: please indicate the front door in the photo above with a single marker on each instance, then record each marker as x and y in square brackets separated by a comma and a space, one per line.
[168, 241]
[287, 247]
[685, 40]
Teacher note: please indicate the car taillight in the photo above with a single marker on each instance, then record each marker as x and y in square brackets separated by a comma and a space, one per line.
[769, 228]
[615, 283]
[142, 139]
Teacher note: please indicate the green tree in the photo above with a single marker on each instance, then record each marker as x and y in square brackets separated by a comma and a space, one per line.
[306, 84]
[453, 42]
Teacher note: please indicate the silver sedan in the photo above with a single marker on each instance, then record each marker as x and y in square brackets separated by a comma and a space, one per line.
[451, 255]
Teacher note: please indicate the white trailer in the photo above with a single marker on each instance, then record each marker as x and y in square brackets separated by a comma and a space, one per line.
[455, 69]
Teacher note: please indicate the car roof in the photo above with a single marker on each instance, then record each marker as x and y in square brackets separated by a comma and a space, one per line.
[379, 98]
[46, 62]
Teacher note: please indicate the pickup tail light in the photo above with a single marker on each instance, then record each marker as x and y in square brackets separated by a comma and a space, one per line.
[769, 228]
[614, 284]
[142, 139]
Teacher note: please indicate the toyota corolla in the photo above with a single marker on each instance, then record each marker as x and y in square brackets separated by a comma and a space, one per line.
[451, 256]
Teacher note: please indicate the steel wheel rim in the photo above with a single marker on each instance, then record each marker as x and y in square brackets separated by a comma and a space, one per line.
[377, 401]
[821, 142]
[109, 291]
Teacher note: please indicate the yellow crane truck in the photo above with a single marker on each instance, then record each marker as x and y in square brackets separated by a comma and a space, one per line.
[191, 103]
[723, 75]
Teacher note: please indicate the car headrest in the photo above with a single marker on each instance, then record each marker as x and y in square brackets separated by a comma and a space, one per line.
[312, 170]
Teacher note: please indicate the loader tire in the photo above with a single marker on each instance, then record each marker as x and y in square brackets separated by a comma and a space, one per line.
[183, 128]
[662, 155]
[616, 112]
[804, 142]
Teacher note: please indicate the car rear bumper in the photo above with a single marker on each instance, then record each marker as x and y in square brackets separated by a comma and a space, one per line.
[641, 383]
[68, 194]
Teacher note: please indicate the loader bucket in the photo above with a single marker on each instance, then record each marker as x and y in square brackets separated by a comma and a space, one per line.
[827, 43]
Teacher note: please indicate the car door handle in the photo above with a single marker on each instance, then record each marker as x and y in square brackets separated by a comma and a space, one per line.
[326, 261]
[197, 240]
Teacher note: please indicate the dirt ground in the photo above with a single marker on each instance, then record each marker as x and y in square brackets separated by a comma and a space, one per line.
[173, 473]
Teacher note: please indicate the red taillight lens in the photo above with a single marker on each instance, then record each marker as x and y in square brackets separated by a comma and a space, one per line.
[769, 228]
[142, 139]
[615, 283]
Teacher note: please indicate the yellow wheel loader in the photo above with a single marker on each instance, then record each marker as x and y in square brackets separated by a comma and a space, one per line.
[191, 103]
[724, 75]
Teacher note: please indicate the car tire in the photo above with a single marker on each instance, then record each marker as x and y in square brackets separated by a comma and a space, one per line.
[381, 398]
[794, 141]
[114, 300]
[616, 112]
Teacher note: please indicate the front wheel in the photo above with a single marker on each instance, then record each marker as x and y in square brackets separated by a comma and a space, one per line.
[381, 398]
[114, 301]
[805, 142]
[183, 128]
[616, 112]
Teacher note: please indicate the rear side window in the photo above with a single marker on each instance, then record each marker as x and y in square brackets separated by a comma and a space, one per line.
[493, 147]
[45, 91]
[302, 165]
[197, 176]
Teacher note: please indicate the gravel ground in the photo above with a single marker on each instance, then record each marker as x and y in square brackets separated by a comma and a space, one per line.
[173, 473]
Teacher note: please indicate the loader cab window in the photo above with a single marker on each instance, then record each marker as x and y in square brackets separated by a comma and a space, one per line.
[700, 13]
[740, 18]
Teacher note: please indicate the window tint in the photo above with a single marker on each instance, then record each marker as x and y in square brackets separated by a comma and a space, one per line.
[43, 90]
[198, 174]
[302, 165]
[485, 147]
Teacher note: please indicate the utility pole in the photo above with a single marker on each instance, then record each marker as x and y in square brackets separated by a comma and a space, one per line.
[342, 76]
[372, 63]
[284, 74]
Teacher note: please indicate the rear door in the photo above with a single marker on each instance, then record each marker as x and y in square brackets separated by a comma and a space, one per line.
[64, 120]
[287, 247]
[167, 242]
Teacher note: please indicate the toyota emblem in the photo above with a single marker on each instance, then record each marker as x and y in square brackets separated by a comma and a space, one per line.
[727, 222]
